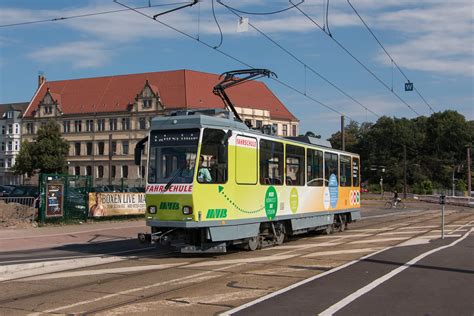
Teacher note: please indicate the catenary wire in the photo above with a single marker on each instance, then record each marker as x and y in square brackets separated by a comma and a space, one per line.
[357, 60]
[306, 66]
[389, 56]
[88, 14]
[259, 13]
[233, 58]
[218, 26]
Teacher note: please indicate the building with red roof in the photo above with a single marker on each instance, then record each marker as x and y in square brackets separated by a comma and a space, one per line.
[91, 109]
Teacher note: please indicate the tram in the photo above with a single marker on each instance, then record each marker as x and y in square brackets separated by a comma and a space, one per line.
[213, 181]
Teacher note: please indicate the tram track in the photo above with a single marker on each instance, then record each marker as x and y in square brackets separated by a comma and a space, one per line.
[424, 218]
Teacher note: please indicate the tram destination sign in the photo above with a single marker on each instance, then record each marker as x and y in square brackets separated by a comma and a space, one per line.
[174, 138]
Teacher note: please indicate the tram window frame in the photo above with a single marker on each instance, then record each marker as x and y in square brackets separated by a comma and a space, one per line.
[315, 177]
[330, 163]
[214, 152]
[345, 171]
[296, 153]
[269, 150]
[355, 176]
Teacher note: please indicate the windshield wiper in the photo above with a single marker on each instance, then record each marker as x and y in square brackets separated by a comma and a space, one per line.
[178, 171]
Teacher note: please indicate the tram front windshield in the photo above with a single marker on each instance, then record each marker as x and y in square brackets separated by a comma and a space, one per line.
[172, 156]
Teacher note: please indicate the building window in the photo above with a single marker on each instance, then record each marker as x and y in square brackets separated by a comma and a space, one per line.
[67, 126]
[285, 130]
[77, 171]
[114, 148]
[147, 103]
[100, 148]
[114, 171]
[10, 146]
[9, 114]
[2, 163]
[89, 149]
[77, 149]
[100, 171]
[113, 124]
[101, 125]
[125, 172]
[259, 123]
[17, 128]
[3, 129]
[10, 129]
[125, 147]
[90, 125]
[16, 145]
[48, 109]
[78, 126]
[3, 146]
[88, 171]
[142, 123]
[294, 130]
[29, 128]
[248, 122]
[8, 163]
[126, 123]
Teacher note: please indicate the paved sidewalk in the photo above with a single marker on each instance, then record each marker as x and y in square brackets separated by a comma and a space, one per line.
[53, 236]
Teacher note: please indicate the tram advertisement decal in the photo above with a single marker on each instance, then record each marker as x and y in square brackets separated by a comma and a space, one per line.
[271, 202]
[173, 189]
[116, 203]
[54, 200]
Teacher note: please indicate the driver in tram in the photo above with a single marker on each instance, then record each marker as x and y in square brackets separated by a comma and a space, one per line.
[203, 173]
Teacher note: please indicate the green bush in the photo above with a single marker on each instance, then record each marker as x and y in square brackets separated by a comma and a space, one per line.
[425, 187]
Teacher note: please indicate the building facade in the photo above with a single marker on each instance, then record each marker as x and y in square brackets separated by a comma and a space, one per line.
[10, 140]
[103, 118]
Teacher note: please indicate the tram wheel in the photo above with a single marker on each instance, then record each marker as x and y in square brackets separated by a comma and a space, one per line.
[253, 243]
[341, 223]
[328, 230]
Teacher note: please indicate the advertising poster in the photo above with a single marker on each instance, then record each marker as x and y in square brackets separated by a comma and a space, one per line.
[116, 203]
[54, 200]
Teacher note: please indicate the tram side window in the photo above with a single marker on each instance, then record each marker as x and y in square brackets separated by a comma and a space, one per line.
[315, 168]
[355, 172]
[330, 166]
[213, 159]
[271, 162]
[345, 171]
[294, 165]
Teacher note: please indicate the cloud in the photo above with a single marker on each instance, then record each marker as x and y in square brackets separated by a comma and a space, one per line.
[81, 54]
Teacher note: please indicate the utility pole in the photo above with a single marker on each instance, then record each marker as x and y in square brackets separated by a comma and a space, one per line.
[343, 139]
[469, 188]
[404, 171]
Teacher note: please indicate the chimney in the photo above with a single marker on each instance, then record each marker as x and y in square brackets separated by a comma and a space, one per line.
[41, 79]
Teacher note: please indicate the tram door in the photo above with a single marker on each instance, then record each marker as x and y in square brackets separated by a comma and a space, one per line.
[246, 160]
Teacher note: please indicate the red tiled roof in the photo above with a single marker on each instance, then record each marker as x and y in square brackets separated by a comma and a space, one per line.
[179, 89]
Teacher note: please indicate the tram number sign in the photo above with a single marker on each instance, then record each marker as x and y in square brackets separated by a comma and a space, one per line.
[409, 86]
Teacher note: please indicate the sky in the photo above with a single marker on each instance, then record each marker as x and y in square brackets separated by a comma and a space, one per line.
[431, 41]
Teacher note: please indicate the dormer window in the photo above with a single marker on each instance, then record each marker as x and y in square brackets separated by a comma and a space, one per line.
[48, 109]
[147, 103]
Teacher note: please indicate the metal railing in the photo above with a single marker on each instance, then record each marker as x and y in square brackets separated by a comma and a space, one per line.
[28, 201]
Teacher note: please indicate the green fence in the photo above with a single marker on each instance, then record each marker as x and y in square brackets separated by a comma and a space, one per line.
[63, 197]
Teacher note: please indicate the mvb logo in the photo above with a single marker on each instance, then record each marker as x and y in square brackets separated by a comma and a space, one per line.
[169, 206]
[217, 213]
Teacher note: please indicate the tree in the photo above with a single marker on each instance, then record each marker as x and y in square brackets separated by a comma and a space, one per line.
[46, 154]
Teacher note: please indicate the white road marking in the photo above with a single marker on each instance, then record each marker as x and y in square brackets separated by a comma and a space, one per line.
[371, 229]
[462, 227]
[369, 287]
[419, 227]
[403, 232]
[339, 252]
[303, 246]
[236, 261]
[377, 240]
[104, 271]
[190, 278]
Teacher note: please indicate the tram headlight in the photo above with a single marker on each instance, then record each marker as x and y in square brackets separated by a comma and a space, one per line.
[152, 209]
[187, 210]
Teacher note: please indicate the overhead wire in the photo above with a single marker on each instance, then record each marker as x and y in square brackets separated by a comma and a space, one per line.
[389, 56]
[306, 66]
[232, 57]
[357, 60]
[259, 13]
[218, 26]
[89, 14]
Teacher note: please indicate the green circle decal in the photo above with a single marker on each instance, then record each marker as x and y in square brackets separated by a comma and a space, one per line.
[271, 202]
[294, 200]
